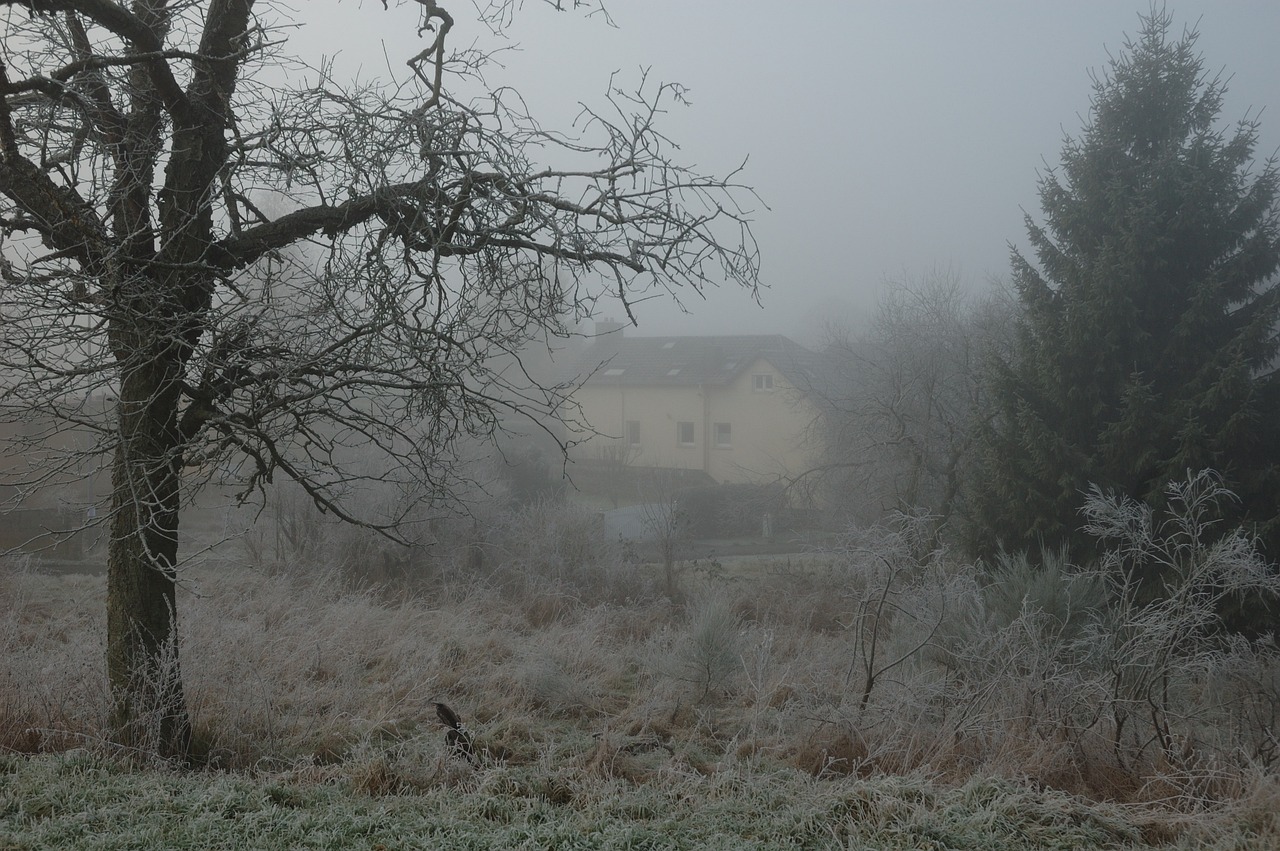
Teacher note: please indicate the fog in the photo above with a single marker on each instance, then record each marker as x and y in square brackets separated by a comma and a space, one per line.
[886, 139]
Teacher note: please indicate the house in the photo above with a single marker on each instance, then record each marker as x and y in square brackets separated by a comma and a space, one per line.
[723, 409]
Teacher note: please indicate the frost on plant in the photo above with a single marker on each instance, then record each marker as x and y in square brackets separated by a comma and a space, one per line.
[1170, 572]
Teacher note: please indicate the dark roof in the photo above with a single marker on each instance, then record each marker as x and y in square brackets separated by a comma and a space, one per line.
[631, 361]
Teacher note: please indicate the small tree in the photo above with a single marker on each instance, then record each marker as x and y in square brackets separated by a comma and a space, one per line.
[665, 523]
[1148, 329]
[616, 458]
[898, 401]
[156, 185]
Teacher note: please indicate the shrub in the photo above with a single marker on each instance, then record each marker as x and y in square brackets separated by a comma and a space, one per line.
[1066, 597]
[731, 510]
[1169, 574]
[707, 655]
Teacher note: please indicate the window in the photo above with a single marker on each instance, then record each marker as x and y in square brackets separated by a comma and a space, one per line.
[762, 382]
[633, 432]
[685, 434]
[723, 435]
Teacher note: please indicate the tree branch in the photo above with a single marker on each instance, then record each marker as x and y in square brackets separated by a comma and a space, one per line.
[128, 26]
[236, 252]
[63, 218]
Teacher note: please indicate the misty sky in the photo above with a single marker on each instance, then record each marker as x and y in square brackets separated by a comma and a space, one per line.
[888, 138]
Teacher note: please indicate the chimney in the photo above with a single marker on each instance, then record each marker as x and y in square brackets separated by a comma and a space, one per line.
[609, 326]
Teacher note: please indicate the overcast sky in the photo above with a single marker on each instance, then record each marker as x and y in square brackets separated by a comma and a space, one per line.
[888, 138]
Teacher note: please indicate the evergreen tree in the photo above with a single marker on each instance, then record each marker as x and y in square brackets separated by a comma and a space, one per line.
[1147, 341]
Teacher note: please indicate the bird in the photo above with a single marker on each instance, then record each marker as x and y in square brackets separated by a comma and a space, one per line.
[456, 736]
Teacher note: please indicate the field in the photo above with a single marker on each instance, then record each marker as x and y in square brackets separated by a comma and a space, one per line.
[879, 695]
[78, 801]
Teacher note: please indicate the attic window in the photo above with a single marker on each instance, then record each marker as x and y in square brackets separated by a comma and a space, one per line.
[762, 382]
[615, 371]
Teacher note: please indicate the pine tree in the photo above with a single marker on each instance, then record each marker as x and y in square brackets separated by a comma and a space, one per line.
[1147, 341]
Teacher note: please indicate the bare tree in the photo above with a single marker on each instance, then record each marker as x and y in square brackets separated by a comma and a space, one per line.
[615, 461]
[898, 400]
[157, 192]
[665, 523]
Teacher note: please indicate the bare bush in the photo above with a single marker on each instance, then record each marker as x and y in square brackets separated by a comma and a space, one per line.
[897, 594]
[554, 549]
[1170, 574]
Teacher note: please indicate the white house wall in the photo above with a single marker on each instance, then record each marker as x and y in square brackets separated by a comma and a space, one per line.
[767, 427]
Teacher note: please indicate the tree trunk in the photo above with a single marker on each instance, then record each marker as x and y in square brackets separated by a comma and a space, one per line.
[149, 708]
